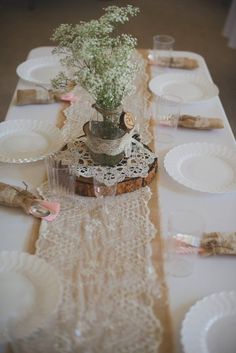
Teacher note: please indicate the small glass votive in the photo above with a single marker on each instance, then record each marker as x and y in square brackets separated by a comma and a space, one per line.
[104, 193]
[166, 112]
[162, 49]
[182, 243]
[101, 190]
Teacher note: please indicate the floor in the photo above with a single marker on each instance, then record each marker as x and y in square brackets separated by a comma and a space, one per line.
[197, 26]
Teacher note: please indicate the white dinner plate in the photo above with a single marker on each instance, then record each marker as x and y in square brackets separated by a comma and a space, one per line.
[23, 141]
[31, 292]
[205, 167]
[189, 87]
[210, 325]
[39, 70]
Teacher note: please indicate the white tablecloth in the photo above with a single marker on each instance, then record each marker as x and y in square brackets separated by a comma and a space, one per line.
[212, 274]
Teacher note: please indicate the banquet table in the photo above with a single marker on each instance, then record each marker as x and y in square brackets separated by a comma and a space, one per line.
[212, 274]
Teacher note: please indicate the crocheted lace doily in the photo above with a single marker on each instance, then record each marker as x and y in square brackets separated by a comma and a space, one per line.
[78, 159]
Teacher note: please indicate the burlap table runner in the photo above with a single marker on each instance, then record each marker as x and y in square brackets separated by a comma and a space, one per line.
[161, 305]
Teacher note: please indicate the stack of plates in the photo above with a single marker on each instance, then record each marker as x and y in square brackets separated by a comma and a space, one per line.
[30, 293]
[190, 88]
[39, 70]
[23, 141]
[205, 167]
[210, 325]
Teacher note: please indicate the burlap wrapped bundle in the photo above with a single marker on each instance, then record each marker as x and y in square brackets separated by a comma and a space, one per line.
[175, 62]
[219, 243]
[16, 197]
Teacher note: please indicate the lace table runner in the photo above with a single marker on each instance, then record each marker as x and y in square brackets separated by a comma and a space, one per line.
[109, 282]
[110, 263]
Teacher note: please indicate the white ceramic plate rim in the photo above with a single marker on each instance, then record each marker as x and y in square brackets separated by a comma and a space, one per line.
[53, 133]
[48, 288]
[201, 316]
[211, 90]
[176, 154]
[23, 70]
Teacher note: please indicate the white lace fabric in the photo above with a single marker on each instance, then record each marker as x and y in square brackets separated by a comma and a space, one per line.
[109, 281]
[104, 258]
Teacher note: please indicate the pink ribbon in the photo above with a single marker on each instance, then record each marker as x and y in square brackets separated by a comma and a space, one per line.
[69, 97]
[53, 207]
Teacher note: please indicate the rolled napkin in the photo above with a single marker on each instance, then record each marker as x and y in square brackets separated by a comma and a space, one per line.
[17, 197]
[197, 122]
[42, 96]
[218, 243]
[214, 243]
[193, 122]
[175, 62]
[35, 96]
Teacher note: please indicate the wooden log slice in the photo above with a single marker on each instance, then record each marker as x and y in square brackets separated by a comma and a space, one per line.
[84, 186]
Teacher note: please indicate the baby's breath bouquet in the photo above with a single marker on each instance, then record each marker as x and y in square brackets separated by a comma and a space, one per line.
[100, 61]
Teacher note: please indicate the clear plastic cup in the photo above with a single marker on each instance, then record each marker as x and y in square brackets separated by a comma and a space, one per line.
[61, 181]
[183, 241]
[166, 113]
[163, 45]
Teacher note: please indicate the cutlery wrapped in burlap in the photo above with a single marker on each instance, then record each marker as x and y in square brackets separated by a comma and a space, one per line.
[218, 243]
[35, 96]
[175, 62]
[191, 122]
[42, 96]
[200, 123]
[13, 196]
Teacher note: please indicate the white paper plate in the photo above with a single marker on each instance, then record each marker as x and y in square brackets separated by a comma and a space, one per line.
[203, 167]
[210, 325]
[190, 87]
[39, 70]
[35, 273]
[23, 141]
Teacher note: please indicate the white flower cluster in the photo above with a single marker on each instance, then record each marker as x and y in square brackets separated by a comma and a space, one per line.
[101, 62]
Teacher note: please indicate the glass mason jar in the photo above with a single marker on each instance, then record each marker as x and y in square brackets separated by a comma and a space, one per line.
[105, 136]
